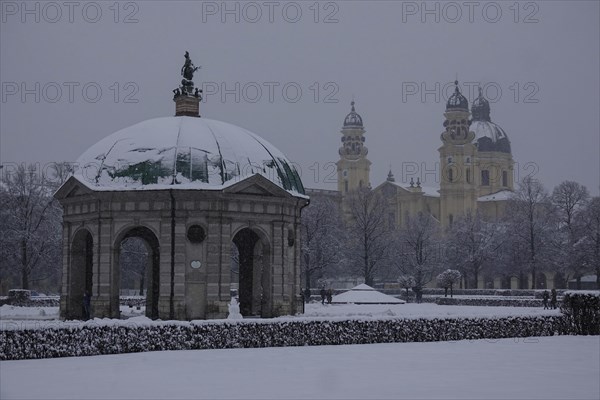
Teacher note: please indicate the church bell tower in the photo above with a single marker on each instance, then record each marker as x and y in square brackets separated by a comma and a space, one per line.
[353, 166]
[458, 155]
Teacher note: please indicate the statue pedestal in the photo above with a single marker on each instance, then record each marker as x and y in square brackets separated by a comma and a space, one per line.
[186, 105]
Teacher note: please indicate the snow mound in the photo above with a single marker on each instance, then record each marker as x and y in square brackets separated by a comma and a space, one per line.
[364, 294]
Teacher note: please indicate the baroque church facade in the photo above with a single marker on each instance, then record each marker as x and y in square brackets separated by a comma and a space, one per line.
[476, 166]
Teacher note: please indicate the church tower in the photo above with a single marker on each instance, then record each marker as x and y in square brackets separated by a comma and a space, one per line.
[353, 166]
[494, 157]
[458, 186]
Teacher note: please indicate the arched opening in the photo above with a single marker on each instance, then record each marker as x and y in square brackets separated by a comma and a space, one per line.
[559, 281]
[541, 281]
[138, 259]
[253, 273]
[80, 274]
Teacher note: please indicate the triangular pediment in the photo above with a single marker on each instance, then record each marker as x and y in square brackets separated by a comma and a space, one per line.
[257, 185]
[71, 188]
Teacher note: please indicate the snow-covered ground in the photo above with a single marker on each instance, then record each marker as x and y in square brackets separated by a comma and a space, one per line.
[564, 367]
[12, 317]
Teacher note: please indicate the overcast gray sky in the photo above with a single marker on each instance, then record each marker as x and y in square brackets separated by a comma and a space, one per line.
[538, 62]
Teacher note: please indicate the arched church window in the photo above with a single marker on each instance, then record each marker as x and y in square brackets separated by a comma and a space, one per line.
[504, 178]
[485, 178]
[450, 175]
[468, 176]
[346, 186]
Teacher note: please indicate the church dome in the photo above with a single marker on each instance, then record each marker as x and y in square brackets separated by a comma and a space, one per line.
[353, 119]
[457, 101]
[488, 135]
[186, 153]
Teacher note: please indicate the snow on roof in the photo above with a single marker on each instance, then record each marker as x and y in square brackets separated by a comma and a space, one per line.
[428, 191]
[364, 294]
[586, 278]
[502, 195]
[183, 152]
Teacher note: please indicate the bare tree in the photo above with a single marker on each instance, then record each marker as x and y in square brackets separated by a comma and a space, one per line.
[569, 199]
[419, 249]
[323, 237]
[531, 221]
[471, 244]
[406, 282]
[369, 234]
[591, 239]
[31, 226]
[59, 173]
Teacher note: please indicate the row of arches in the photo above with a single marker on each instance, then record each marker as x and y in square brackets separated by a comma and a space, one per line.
[250, 271]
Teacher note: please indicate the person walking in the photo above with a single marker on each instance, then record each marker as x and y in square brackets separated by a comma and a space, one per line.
[323, 295]
[86, 305]
[329, 295]
[307, 295]
[553, 299]
[545, 298]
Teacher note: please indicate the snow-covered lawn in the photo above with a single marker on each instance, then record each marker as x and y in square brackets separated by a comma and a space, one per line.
[12, 316]
[564, 367]
[413, 310]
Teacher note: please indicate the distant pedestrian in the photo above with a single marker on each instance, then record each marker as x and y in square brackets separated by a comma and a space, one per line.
[307, 295]
[86, 305]
[553, 299]
[323, 295]
[545, 298]
[418, 293]
[329, 296]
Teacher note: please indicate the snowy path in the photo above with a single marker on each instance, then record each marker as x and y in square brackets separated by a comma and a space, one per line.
[565, 367]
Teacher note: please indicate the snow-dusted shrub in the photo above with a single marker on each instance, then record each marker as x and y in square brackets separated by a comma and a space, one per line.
[582, 309]
[448, 279]
[16, 295]
[92, 339]
[494, 302]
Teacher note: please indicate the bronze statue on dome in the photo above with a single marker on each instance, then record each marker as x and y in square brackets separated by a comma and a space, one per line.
[187, 84]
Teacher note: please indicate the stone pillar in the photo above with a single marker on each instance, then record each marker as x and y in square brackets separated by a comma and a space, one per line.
[66, 262]
[278, 268]
[215, 306]
[105, 299]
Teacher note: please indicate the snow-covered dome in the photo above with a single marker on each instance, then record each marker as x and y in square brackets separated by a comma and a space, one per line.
[183, 152]
[488, 135]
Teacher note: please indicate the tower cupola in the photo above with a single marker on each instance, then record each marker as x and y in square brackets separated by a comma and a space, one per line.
[457, 101]
[353, 119]
[481, 108]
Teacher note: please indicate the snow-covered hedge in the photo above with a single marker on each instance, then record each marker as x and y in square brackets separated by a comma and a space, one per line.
[494, 302]
[54, 301]
[35, 302]
[92, 339]
[582, 310]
